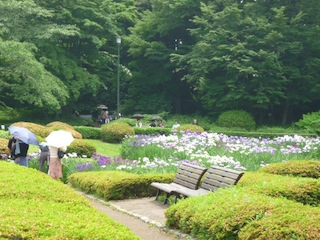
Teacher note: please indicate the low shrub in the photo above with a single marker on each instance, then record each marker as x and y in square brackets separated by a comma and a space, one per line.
[34, 206]
[81, 147]
[234, 213]
[115, 185]
[37, 129]
[303, 190]
[115, 132]
[64, 126]
[190, 128]
[152, 131]
[4, 146]
[298, 168]
[130, 121]
[237, 119]
[89, 132]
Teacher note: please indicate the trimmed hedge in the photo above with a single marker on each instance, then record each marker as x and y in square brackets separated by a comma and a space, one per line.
[303, 190]
[89, 132]
[115, 132]
[152, 131]
[234, 213]
[115, 185]
[190, 128]
[81, 147]
[34, 206]
[298, 168]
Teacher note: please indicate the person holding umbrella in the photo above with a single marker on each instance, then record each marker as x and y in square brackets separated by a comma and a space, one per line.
[57, 142]
[23, 137]
[20, 152]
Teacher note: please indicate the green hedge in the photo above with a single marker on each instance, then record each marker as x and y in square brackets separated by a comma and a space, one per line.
[152, 131]
[115, 185]
[234, 213]
[299, 168]
[34, 206]
[89, 132]
[303, 190]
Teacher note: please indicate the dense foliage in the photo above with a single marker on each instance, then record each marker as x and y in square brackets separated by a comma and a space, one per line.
[178, 57]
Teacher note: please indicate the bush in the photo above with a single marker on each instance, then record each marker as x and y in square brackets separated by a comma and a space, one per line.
[152, 131]
[3, 146]
[64, 126]
[81, 147]
[116, 185]
[37, 129]
[89, 132]
[310, 122]
[234, 213]
[115, 132]
[298, 168]
[303, 190]
[47, 209]
[237, 119]
[190, 128]
[130, 121]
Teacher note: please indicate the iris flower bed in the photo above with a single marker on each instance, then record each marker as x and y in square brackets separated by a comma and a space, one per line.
[163, 154]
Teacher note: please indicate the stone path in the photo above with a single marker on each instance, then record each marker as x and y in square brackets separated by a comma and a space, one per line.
[145, 217]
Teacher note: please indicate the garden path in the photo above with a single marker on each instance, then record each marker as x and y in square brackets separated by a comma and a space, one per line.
[145, 217]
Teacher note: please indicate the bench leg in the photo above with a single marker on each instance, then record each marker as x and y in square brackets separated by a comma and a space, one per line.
[167, 197]
[158, 193]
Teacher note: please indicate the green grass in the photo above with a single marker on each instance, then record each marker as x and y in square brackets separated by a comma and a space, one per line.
[106, 149]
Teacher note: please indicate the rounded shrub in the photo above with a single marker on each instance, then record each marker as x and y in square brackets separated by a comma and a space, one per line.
[37, 129]
[130, 121]
[3, 146]
[115, 132]
[237, 119]
[190, 128]
[81, 147]
[64, 126]
[89, 132]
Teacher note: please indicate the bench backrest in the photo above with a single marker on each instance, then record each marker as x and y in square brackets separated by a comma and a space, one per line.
[189, 175]
[219, 177]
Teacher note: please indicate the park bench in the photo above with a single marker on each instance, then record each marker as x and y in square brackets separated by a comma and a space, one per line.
[188, 176]
[214, 178]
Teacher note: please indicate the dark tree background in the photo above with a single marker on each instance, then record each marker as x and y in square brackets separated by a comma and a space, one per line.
[181, 57]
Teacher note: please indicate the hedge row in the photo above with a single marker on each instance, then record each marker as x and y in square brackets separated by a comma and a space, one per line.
[303, 190]
[34, 206]
[114, 185]
[235, 213]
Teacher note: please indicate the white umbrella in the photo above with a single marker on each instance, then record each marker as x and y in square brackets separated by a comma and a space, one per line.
[59, 138]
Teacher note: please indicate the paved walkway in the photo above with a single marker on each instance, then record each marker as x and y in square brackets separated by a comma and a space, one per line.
[144, 216]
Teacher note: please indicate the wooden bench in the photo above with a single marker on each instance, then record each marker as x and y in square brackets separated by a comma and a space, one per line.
[188, 176]
[215, 177]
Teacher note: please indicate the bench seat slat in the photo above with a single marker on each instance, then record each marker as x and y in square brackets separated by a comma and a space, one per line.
[214, 178]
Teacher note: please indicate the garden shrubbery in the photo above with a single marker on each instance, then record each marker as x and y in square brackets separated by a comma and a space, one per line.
[115, 132]
[190, 128]
[308, 168]
[89, 132]
[115, 185]
[82, 148]
[303, 190]
[237, 119]
[34, 206]
[152, 131]
[64, 126]
[37, 129]
[234, 213]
